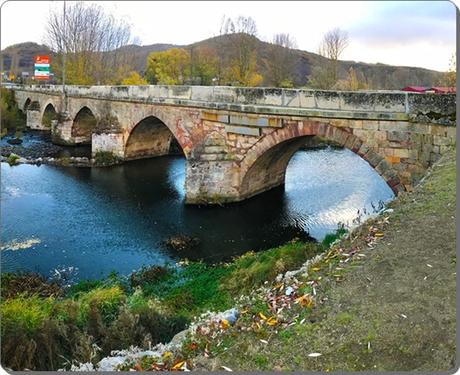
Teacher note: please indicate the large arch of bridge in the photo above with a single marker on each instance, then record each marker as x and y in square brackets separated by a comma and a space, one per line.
[265, 164]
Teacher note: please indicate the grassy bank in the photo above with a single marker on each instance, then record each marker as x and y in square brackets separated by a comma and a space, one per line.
[384, 298]
[45, 326]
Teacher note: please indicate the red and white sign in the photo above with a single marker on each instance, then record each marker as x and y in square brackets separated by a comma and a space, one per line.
[42, 67]
[42, 59]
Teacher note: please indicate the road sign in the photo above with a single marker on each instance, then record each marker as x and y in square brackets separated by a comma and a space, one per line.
[42, 67]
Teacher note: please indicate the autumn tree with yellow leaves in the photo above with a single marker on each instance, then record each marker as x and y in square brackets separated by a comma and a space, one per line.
[170, 67]
[133, 79]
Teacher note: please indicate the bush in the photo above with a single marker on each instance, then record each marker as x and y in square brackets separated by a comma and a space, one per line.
[25, 313]
[13, 285]
[12, 118]
[149, 275]
[330, 238]
[12, 159]
[105, 301]
[252, 269]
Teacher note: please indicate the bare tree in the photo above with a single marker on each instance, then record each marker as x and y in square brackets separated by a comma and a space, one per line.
[91, 40]
[280, 62]
[243, 43]
[333, 44]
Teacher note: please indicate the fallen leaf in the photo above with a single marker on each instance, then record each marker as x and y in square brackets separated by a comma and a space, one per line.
[271, 321]
[167, 355]
[379, 234]
[178, 365]
[264, 341]
[262, 316]
[138, 367]
[314, 355]
[224, 324]
[226, 368]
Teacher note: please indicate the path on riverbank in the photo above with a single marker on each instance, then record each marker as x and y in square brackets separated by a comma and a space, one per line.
[394, 308]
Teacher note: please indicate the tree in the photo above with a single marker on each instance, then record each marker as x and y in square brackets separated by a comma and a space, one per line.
[243, 66]
[280, 61]
[354, 81]
[170, 67]
[449, 78]
[204, 65]
[91, 41]
[133, 79]
[333, 44]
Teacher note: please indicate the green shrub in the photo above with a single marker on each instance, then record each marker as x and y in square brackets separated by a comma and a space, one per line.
[149, 275]
[25, 313]
[330, 238]
[105, 300]
[252, 269]
[12, 159]
[12, 118]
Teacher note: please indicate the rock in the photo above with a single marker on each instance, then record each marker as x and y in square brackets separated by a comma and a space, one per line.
[231, 315]
[14, 141]
[182, 242]
[110, 363]
[83, 367]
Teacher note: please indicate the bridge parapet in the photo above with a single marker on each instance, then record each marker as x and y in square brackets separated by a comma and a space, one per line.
[383, 105]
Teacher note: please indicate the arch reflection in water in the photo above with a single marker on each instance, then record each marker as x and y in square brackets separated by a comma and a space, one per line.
[119, 218]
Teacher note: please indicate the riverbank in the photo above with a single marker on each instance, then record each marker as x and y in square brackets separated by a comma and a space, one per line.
[382, 299]
[392, 307]
[83, 323]
[51, 320]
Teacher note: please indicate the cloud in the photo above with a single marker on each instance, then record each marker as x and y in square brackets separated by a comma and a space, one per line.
[407, 22]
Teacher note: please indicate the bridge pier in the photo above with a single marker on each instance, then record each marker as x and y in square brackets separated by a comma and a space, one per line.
[61, 130]
[34, 119]
[211, 182]
[112, 142]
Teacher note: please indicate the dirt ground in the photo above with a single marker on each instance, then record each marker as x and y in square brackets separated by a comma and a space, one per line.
[395, 309]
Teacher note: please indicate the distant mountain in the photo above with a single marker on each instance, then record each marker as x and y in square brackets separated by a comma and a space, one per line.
[19, 58]
[139, 53]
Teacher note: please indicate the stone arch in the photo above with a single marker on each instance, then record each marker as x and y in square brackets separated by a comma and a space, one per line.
[83, 126]
[26, 105]
[49, 114]
[151, 137]
[264, 165]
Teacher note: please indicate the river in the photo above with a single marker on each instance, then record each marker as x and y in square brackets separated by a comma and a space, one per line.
[98, 220]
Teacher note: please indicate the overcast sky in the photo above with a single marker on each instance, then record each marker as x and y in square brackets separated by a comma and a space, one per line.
[411, 33]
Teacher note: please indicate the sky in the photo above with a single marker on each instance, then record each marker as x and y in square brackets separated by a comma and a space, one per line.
[409, 33]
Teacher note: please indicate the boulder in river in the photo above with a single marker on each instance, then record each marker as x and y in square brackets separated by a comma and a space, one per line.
[14, 141]
[182, 242]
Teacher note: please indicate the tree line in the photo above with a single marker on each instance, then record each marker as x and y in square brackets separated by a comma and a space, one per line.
[94, 45]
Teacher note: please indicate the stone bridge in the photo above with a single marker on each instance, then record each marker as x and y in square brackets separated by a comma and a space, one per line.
[238, 141]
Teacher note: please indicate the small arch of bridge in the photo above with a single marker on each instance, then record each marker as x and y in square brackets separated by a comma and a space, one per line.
[264, 165]
[49, 114]
[151, 137]
[83, 125]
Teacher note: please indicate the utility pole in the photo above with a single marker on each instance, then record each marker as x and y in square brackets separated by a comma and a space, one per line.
[64, 58]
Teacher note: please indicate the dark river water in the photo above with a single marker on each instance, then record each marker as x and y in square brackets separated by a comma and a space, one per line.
[116, 219]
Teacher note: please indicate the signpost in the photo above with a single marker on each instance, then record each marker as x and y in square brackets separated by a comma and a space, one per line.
[42, 67]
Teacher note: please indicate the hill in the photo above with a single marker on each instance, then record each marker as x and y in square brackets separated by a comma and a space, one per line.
[19, 58]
